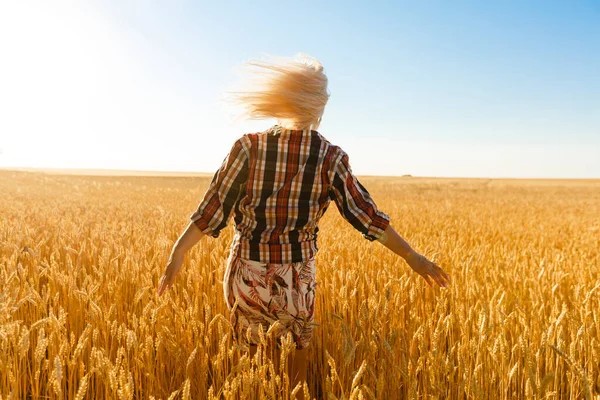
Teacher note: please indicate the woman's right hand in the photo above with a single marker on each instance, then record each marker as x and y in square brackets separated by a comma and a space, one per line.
[421, 265]
[428, 269]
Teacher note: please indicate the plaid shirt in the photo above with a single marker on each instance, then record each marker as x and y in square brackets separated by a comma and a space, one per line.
[278, 184]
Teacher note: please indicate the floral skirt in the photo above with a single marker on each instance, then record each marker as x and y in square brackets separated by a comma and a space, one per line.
[266, 293]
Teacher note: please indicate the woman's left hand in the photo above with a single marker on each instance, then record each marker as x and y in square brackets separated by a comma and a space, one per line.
[171, 270]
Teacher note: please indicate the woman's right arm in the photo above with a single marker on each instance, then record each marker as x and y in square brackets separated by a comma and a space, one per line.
[356, 205]
[421, 265]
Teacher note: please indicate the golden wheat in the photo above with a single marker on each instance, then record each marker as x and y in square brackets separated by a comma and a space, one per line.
[80, 257]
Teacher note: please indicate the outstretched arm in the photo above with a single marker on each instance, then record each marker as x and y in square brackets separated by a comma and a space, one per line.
[421, 265]
[213, 211]
[356, 205]
[186, 241]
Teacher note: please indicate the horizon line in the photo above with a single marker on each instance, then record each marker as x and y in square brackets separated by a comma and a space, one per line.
[150, 173]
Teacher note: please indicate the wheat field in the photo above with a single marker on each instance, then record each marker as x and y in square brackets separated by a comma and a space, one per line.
[80, 257]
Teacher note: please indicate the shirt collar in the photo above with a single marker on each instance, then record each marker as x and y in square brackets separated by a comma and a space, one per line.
[289, 133]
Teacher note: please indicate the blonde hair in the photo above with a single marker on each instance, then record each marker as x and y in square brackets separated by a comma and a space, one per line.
[292, 90]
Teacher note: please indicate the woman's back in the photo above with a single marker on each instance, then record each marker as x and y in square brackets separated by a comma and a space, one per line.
[279, 183]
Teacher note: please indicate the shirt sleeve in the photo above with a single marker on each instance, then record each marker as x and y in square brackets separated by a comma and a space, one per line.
[354, 201]
[215, 208]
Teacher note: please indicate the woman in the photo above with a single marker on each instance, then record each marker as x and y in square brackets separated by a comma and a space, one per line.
[277, 184]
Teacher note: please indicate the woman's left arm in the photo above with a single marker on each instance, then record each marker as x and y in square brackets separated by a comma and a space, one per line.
[213, 211]
[186, 241]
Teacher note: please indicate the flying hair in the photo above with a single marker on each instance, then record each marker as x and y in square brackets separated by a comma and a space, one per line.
[292, 90]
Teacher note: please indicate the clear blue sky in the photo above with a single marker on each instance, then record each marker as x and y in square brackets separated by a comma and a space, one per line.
[436, 88]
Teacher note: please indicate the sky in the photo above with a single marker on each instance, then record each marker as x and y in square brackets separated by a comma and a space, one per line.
[426, 88]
